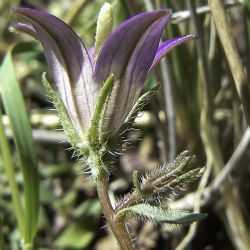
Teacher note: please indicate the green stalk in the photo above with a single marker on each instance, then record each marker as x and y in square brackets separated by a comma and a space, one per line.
[117, 226]
[10, 172]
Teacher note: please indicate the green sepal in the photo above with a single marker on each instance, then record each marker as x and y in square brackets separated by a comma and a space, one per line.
[68, 128]
[183, 162]
[96, 133]
[164, 180]
[140, 103]
[186, 178]
[162, 215]
[136, 181]
[125, 127]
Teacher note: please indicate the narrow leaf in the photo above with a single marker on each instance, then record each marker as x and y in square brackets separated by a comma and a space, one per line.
[162, 215]
[16, 111]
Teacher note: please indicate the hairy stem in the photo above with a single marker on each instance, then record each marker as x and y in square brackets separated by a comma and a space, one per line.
[117, 226]
[129, 201]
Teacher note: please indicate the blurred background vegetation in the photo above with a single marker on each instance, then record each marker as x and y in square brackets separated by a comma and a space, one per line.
[199, 108]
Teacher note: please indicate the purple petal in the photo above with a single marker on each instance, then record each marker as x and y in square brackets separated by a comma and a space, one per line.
[91, 52]
[25, 28]
[132, 72]
[119, 47]
[69, 65]
[165, 47]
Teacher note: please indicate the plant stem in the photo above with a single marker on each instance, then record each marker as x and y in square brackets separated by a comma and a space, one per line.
[117, 226]
[131, 200]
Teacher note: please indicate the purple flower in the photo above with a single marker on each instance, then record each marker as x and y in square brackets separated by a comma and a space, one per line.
[129, 53]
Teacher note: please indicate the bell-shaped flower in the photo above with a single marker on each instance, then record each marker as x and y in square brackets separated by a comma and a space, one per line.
[124, 61]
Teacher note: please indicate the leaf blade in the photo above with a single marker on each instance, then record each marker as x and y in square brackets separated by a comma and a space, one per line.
[162, 215]
[22, 134]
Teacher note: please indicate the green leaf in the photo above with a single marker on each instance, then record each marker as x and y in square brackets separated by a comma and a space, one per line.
[75, 237]
[47, 195]
[54, 170]
[162, 215]
[22, 134]
[87, 208]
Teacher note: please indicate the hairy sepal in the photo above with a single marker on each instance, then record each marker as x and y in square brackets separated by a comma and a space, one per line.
[140, 103]
[96, 133]
[127, 125]
[159, 214]
[167, 179]
[71, 134]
